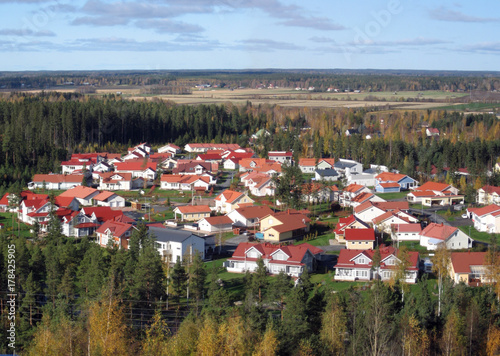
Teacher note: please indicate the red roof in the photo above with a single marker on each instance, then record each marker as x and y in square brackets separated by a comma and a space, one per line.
[257, 211]
[138, 165]
[190, 209]
[485, 210]
[118, 229]
[438, 231]
[5, 201]
[230, 196]
[462, 261]
[79, 192]
[280, 154]
[105, 213]
[219, 220]
[360, 198]
[295, 253]
[210, 156]
[346, 258]
[359, 235]
[102, 196]
[64, 201]
[352, 188]
[389, 177]
[389, 185]
[491, 189]
[408, 228]
[85, 225]
[58, 178]
[440, 187]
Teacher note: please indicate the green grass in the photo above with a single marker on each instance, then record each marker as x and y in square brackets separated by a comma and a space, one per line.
[394, 195]
[469, 107]
[413, 246]
[14, 228]
[322, 240]
[476, 235]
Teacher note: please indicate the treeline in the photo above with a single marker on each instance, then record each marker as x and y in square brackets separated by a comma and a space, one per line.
[320, 79]
[74, 297]
[39, 131]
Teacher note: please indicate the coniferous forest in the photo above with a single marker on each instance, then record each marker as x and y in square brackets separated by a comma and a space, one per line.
[76, 298]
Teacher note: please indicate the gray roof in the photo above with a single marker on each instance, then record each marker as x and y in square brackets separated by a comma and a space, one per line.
[341, 164]
[327, 172]
[170, 235]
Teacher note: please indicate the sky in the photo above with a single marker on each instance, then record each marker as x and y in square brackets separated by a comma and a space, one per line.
[249, 34]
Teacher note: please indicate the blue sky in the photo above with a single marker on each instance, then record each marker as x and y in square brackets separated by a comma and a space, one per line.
[246, 34]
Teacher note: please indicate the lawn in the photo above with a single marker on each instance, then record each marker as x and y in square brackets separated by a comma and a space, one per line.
[476, 235]
[322, 240]
[392, 196]
[13, 228]
[413, 246]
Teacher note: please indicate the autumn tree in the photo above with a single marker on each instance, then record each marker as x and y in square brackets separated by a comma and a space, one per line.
[440, 264]
[334, 327]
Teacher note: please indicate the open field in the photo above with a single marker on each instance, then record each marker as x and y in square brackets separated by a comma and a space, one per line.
[289, 97]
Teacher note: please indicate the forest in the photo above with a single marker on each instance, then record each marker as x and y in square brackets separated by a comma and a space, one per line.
[367, 80]
[76, 298]
[39, 131]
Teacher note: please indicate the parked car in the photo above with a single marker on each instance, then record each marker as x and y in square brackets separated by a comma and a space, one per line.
[465, 216]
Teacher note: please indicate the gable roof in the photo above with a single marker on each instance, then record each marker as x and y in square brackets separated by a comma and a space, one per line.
[257, 211]
[462, 261]
[192, 209]
[390, 177]
[230, 196]
[359, 235]
[58, 178]
[136, 165]
[485, 210]
[307, 162]
[438, 231]
[295, 253]
[489, 189]
[102, 196]
[408, 228]
[80, 192]
[118, 229]
[353, 188]
[218, 220]
[163, 234]
[105, 213]
[440, 187]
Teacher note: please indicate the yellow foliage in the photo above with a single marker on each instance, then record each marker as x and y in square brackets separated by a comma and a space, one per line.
[493, 345]
[269, 343]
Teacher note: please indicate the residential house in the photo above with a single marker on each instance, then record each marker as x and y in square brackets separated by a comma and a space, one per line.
[195, 168]
[114, 232]
[488, 195]
[325, 163]
[347, 167]
[204, 147]
[55, 181]
[359, 239]
[365, 179]
[229, 200]
[176, 245]
[486, 218]
[435, 234]
[431, 131]
[315, 193]
[468, 267]
[433, 193]
[249, 216]
[371, 210]
[215, 224]
[138, 169]
[259, 184]
[109, 199]
[192, 212]
[170, 148]
[281, 157]
[186, 182]
[386, 221]
[210, 157]
[328, 175]
[354, 265]
[290, 259]
[84, 195]
[77, 224]
[364, 197]
[282, 226]
[350, 222]
[78, 165]
[350, 192]
[387, 182]
[115, 181]
[406, 232]
[307, 165]
[101, 214]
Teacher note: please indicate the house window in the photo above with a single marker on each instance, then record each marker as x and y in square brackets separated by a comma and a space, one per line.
[362, 261]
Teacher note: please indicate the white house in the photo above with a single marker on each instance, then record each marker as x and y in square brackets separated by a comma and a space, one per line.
[84, 195]
[170, 148]
[109, 199]
[229, 200]
[406, 232]
[115, 181]
[288, 259]
[435, 234]
[174, 245]
[249, 216]
[486, 218]
[55, 181]
[356, 265]
[215, 224]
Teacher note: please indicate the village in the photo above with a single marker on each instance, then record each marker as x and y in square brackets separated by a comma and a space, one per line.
[220, 201]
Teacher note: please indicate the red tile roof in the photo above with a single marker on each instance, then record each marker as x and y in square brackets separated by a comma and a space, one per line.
[359, 235]
[462, 261]
[219, 220]
[389, 177]
[438, 231]
[104, 213]
[440, 187]
[102, 196]
[307, 162]
[251, 212]
[58, 178]
[138, 165]
[352, 188]
[79, 192]
[295, 253]
[118, 229]
[389, 185]
[230, 196]
[485, 210]
[191, 209]
[408, 227]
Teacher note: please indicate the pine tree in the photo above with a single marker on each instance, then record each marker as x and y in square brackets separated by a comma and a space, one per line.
[178, 279]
